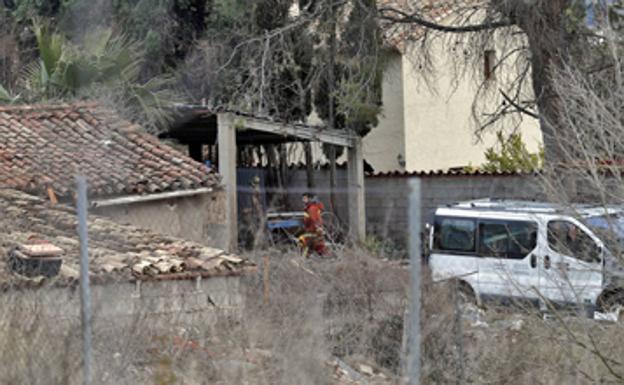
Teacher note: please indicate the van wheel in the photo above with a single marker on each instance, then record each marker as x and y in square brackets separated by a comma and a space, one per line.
[613, 303]
[465, 294]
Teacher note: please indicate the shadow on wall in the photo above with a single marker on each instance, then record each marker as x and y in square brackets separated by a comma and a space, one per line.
[199, 218]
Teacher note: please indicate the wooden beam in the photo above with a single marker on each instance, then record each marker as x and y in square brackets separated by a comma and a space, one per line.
[357, 205]
[318, 134]
[226, 137]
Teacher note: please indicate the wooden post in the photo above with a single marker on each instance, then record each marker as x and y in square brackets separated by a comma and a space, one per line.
[332, 113]
[265, 279]
[226, 137]
[357, 205]
[307, 148]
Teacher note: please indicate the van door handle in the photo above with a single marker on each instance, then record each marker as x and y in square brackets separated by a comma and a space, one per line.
[533, 261]
[546, 262]
[563, 265]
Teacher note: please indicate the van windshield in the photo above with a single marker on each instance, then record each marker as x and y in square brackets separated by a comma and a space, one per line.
[610, 228]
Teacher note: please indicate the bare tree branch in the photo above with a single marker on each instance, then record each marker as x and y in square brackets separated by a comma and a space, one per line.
[517, 106]
[414, 18]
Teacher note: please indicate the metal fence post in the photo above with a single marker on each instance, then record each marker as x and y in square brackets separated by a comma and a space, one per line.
[413, 359]
[459, 335]
[85, 295]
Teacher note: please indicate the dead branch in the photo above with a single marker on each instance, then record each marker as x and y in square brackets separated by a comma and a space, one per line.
[415, 18]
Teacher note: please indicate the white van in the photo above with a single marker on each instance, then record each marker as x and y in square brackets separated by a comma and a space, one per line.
[499, 249]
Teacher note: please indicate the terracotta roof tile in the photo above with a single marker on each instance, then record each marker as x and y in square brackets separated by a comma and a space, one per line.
[398, 35]
[447, 173]
[116, 252]
[43, 146]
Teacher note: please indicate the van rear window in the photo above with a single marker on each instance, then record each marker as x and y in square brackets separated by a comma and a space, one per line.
[455, 234]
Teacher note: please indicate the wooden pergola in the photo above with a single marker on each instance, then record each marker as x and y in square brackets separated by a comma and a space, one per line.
[229, 129]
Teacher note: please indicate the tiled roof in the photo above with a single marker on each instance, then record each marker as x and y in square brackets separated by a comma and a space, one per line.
[117, 252]
[46, 146]
[397, 35]
[456, 171]
[447, 173]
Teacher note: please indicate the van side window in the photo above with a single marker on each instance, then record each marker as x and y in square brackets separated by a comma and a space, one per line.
[455, 234]
[507, 239]
[568, 239]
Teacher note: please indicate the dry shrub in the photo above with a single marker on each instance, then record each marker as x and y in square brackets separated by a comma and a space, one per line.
[352, 307]
[322, 308]
[515, 344]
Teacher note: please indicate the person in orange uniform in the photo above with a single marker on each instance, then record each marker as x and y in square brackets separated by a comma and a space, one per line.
[313, 236]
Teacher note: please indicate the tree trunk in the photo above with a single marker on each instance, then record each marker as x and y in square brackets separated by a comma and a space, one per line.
[283, 171]
[548, 103]
[550, 44]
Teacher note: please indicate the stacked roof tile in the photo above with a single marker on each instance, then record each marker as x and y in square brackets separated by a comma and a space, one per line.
[117, 252]
[46, 146]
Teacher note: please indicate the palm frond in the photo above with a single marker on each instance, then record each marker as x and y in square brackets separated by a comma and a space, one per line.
[5, 96]
[105, 67]
[96, 41]
[31, 79]
[50, 45]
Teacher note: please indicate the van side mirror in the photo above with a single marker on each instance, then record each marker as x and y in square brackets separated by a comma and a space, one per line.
[598, 251]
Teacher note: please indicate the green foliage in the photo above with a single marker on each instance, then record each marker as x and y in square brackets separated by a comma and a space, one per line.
[358, 68]
[5, 96]
[102, 65]
[511, 155]
[25, 9]
[271, 14]
[357, 73]
[167, 28]
[227, 14]
[254, 67]
[383, 247]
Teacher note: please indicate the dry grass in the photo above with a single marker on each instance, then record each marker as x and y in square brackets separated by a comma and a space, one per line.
[350, 308]
[516, 345]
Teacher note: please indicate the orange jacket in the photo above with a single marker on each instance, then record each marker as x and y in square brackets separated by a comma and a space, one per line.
[312, 220]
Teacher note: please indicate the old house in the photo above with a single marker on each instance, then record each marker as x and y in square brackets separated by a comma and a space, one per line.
[134, 272]
[430, 95]
[427, 124]
[132, 176]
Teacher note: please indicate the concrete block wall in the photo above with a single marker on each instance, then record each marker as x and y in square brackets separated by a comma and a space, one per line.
[297, 185]
[183, 303]
[441, 190]
[387, 197]
[387, 205]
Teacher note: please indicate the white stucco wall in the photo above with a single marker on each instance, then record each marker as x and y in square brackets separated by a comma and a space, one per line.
[387, 141]
[439, 130]
[439, 127]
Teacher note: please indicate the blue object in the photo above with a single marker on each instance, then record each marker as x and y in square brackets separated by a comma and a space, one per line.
[284, 224]
[613, 224]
